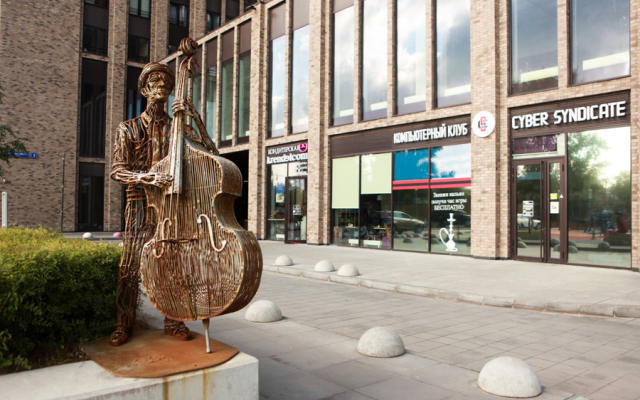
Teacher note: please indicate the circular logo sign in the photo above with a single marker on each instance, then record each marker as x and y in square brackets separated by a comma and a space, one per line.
[303, 147]
[483, 124]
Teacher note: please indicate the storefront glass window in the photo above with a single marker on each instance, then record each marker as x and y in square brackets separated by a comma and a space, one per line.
[534, 45]
[599, 198]
[345, 193]
[451, 199]
[276, 88]
[196, 91]
[411, 57]
[300, 81]
[600, 39]
[211, 102]
[374, 60]
[375, 201]
[276, 216]
[453, 52]
[343, 67]
[244, 94]
[226, 127]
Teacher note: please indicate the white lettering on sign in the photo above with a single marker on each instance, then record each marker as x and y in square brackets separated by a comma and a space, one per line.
[287, 158]
[439, 132]
[570, 115]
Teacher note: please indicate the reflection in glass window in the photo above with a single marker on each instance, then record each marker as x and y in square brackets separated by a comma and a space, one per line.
[276, 88]
[600, 39]
[374, 60]
[451, 220]
[275, 218]
[226, 97]
[300, 81]
[450, 162]
[453, 52]
[343, 57]
[244, 94]
[599, 200]
[534, 45]
[411, 56]
[196, 91]
[411, 219]
[211, 103]
[375, 201]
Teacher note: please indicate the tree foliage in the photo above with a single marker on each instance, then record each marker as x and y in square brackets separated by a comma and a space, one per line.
[10, 144]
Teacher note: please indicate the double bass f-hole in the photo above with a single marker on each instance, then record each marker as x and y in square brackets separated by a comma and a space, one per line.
[213, 243]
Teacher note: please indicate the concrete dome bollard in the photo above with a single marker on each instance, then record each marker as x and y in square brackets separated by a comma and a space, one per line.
[604, 246]
[284, 260]
[572, 249]
[380, 342]
[87, 236]
[348, 270]
[554, 241]
[263, 311]
[324, 266]
[521, 245]
[509, 377]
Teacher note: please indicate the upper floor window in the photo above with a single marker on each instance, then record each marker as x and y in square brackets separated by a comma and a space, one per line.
[98, 3]
[213, 21]
[411, 57]
[179, 14]
[374, 60]
[453, 52]
[277, 77]
[94, 40]
[141, 8]
[534, 45]
[343, 62]
[599, 40]
[138, 49]
[300, 68]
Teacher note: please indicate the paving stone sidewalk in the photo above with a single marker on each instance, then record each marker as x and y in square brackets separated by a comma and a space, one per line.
[511, 284]
[311, 355]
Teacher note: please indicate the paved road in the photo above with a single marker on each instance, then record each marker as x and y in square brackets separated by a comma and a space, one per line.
[311, 354]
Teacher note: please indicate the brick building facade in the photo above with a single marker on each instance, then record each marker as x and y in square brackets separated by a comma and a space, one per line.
[514, 62]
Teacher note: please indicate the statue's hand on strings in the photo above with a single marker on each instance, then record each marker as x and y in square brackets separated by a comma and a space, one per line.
[185, 106]
[156, 179]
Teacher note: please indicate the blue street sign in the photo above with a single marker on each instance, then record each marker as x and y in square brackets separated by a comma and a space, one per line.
[26, 155]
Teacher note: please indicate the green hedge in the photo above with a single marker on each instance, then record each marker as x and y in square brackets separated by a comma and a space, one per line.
[54, 293]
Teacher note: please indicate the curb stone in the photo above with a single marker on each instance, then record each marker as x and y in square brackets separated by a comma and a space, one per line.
[599, 310]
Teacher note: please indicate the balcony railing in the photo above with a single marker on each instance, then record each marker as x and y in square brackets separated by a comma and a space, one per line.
[140, 13]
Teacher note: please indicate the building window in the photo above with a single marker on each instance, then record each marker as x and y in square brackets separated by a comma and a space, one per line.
[411, 57]
[343, 66]
[98, 3]
[138, 49]
[453, 52]
[93, 108]
[300, 68]
[212, 87]
[534, 45]
[196, 83]
[374, 60]
[94, 40]
[136, 103]
[213, 21]
[141, 8]
[599, 197]
[226, 126]
[244, 94]
[599, 40]
[277, 63]
[345, 200]
[276, 217]
[179, 14]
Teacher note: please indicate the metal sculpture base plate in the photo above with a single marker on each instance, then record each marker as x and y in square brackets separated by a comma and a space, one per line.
[152, 354]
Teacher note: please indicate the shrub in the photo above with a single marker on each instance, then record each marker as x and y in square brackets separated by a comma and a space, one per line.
[53, 292]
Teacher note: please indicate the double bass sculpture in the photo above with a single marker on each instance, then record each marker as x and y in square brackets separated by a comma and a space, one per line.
[200, 262]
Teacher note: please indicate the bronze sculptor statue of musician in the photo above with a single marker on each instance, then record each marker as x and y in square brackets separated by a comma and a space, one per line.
[140, 144]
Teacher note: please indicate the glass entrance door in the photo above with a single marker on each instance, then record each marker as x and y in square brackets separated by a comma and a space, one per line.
[296, 206]
[539, 217]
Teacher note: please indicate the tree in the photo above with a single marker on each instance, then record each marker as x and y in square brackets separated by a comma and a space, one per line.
[10, 144]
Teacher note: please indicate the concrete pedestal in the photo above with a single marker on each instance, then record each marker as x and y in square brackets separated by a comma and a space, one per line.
[233, 380]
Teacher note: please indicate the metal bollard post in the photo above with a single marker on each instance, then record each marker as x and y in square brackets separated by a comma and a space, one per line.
[5, 214]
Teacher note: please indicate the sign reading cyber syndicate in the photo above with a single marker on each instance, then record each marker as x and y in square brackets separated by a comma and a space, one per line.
[570, 115]
[289, 153]
[438, 132]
